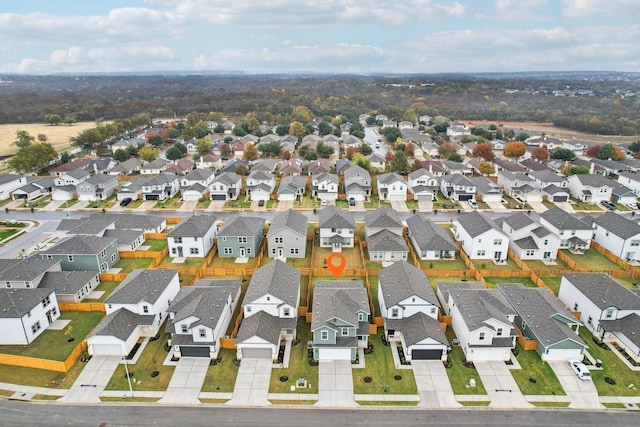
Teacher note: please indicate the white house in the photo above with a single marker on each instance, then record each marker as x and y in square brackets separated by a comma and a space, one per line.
[25, 314]
[590, 188]
[393, 187]
[574, 234]
[260, 185]
[160, 187]
[630, 180]
[225, 186]
[195, 183]
[528, 239]
[10, 182]
[618, 234]
[337, 228]
[357, 183]
[481, 237]
[519, 185]
[193, 237]
[423, 185]
[325, 186]
[430, 241]
[457, 187]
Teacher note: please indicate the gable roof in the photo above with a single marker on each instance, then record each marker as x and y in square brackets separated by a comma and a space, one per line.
[80, 245]
[592, 180]
[417, 328]
[142, 285]
[292, 184]
[293, 220]
[333, 217]
[227, 178]
[383, 217]
[476, 306]
[241, 226]
[26, 269]
[66, 282]
[428, 235]
[604, 291]
[617, 224]
[628, 325]
[476, 223]
[121, 324]
[194, 226]
[354, 171]
[563, 220]
[199, 175]
[386, 241]
[206, 300]
[262, 325]
[338, 299]
[390, 178]
[15, 303]
[276, 278]
[402, 280]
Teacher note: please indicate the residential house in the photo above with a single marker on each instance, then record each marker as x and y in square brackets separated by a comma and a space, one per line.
[410, 310]
[265, 165]
[622, 194]
[135, 309]
[630, 180]
[337, 228]
[101, 165]
[123, 144]
[25, 314]
[456, 168]
[590, 188]
[434, 167]
[501, 164]
[270, 309]
[292, 187]
[357, 183]
[528, 239]
[544, 319]
[342, 165]
[209, 161]
[377, 162]
[199, 316]
[352, 141]
[234, 164]
[225, 186]
[155, 167]
[393, 187]
[551, 185]
[74, 164]
[533, 165]
[128, 167]
[482, 319]
[481, 237]
[292, 166]
[63, 193]
[33, 189]
[519, 186]
[617, 234]
[611, 168]
[97, 187]
[431, 149]
[70, 286]
[193, 237]
[458, 129]
[194, 186]
[497, 144]
[574, 233]
[160, 187]
[26, 273]
[73, 177]
[340, 321]
[486, 190]
[180, 167]
[84, 253]
[10, 182]
[319, 166]
[260, 185]
[576, 146]
[131, 189]
[384, 235]
[240, 237]
[423, 185]
[457, 187]
[430, 241]
[287, 236]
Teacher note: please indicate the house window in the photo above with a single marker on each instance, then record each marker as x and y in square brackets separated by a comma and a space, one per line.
[228, 251]
[286, 311]
[609, 314]
[481, 336]
[635, 243]
[546, 241]
[573, 232]
[202, 333]
[278, 239]
[530, 252]
[104, 267]
[248, 309]
[433, 310]
[497, 242]
[145, 309]
[345, 332]
[395, 312]
[242, 240]
[248, 251]
[46, 302]
[184, 329]
[174, 251]
[360, 317]
[70, 258]
[35, 327]
[481, 252]
[103, 253]
[113, 257]
[575, 307]
[324, 335]
[49, 256]
[294, 251]
[177, 240]
[193, 251]
[499, 332]
[590, 320]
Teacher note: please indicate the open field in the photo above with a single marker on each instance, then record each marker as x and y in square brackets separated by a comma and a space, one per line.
[58, 136]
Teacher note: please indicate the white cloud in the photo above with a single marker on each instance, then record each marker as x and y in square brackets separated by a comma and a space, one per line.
[616, 8]
[456, 10]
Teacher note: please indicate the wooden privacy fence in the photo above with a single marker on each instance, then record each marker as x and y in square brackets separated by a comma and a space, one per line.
[49, 365]
[143, 254]
[526, 344]
[155, 236]
[112, 277]
[82, 306]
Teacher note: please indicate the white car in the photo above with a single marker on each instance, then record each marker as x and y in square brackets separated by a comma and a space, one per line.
[632, 206]
[473, 204]
[324, 202]
[580, 370]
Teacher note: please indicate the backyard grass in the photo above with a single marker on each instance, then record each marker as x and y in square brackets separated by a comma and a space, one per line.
[627, 381]
[534, 367]
[352, 255]
[40, 377]
[218, 262]
[167, 262]
[539, 265]
[298, 366]
[107, 288]
[459, 374]
[302, 262]
[592, 260]
[127, 265]
[380, 368]
[493, 281]
[454, 264]
[150, 360]
[222, 377]
[552, 283]
[487, 264]
[156, 245]
[55, 345]
[373, 282]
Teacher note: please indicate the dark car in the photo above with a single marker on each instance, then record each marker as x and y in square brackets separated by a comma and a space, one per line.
[260, 202]
[352, 202]
[125, 202]
[609, 205]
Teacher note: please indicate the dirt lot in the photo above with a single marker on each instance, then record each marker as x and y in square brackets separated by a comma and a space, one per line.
[555, 132]
[58, 135]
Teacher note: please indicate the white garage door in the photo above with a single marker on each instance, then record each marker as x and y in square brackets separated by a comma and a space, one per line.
[335, 354]
[286, 197]
[257, 353]
[562, 354]
[106, 350]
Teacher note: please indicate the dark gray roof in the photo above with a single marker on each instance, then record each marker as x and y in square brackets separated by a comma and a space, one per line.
[485, 186]
[477, 306]
[8, 177]
[121, 324]
[354, 171]
[15, 303]
[155, 164]
[93, 225]
[241, 226]
[458, 179]
[25, 270]
[142, 285]
[326, 176]
[194, 226]
[618, 225]
[383, 217]
[277, 279]
[338, 299]
[143, 222]
[446, 287]
[262, 325]
[333, 217]
[476, 223]
[294, 221]
[133, 186]
[124, 236]
[628, 325]
[594, 180]
[386, 241]
[541, 231]
[101, 178]
[526, 242]
[206, 300]
[160, 179]
[546, 175]
[547, 318]
[198, 175]
[429, 236]
[420, 173]
[553, 189]
[292, 184]
[563, 220]
[518, 221]
[390, 178]
[418, 327]
[77, 173]
[620, 190]
[402, 280]
[80, 245]
[260, 175]
[195, 187]
[66, 282]
[604, 291]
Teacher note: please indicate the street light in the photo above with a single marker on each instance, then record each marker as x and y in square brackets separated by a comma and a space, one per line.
[126, 370]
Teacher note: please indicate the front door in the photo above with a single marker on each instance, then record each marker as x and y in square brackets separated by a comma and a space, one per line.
[49, 317]
[242, 252]
[179, 251]
[629, 256]
[497, 255]
[280, 252]
[547, 255]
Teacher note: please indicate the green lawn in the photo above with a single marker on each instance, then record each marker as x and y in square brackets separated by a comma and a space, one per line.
[173, 203]
[539, 265]
[581, 206]
[40, 203]
[222, 377]
[627, 381]
[380, 368]
[298, 365]
[156, 244]
[203, 203]
[373, 282]
[5, 234]
[55, 345]
[219, 262]
[593, 260]
[40, 377]
[552, 283]
[106, 203]
[241, 203]
[167, 262]
[107, 288]
[493, 281]
[129, 264]
[487, 264]
[150, 360]
[459, 374]
[301, 262]
[534, 367]
[454, 264]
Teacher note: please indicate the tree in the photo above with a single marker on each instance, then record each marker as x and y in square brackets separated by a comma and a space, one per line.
[514, 149]
[271, 149]
[53, 119]
[120, 155]
[155, 139]
[417, 164]
[484, 150]
[618, 153]
[225, 150]
[362, 161]
[634, 147]
[446, 149]
[250, 152]
[324, 151]
[65, 157]
[174, 153]
[42, 137]
[349, 153]
[594, 151]
[366, 149]
[218, 128]
[297, 129]
[409, 150]
[148, 154]
[399, 163]
[189, 133]
[388, 156]
[486, 168]
[564, 154]
[33, 157]
[23, 139]
[282, 130]
[607, 152]
[285, 155]
[455, 157]
[391, 134]
[241, 170]
[578, 170]
[203, 146]
[540, 153]
[522, 136]
[69, 120]
[324, 128]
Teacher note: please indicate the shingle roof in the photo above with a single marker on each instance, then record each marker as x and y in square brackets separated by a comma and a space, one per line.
[142, 285]
[563, 220]
[390, 178]
[198, 175]
[386, 241]
[262, 325]
[66, 282]
[518, 221]
[402, 280]
[101, 178]
[160, 179]
[618, 225]
[448, 287]
[604, 291]
[206, 300]
[628, 325]
[339, 299]
[15, 303]
[24, 269]
[294, 221]
[241, 226]
[277, 279]
[383, 217]
[8, 177]
[194, 226]
[121, 324]
[136, 221]
[333, 217]
[546, 175]
[418, 327]
[477, 306]
[593, 180]
[476, 223]
[227, 178]
[124, 236]
[458, 179]
[292, 184]
[356, 170]
[80, 245]
[429, 236]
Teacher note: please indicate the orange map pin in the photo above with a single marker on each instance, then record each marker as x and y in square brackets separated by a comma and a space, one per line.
[336, 268]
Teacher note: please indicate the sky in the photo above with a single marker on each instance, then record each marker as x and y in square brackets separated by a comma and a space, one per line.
[319, 36]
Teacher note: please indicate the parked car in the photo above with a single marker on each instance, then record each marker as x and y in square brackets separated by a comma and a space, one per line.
[260, 203]
[125, 202]
[580, 369]
[352, 202]
[473, 204]
[609, 205]
[632, 206]
[323, 202]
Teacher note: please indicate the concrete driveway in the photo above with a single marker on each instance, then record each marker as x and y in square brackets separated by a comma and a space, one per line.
[284, 205]
[425, 206]
[400, 206]
[497, 206]
[500, 385]
[433, 384]
[252, 383]
[359, 207]
[583, 394]
[335, 384]
[216, 206]
[187, 380]
[256, 208]
[538, 207]
[188, 206]
[92, 380]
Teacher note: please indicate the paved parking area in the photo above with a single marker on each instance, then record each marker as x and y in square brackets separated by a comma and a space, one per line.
[497, 207]
[335, 387]
[187, 380]
[252, 383]
[216, 206]
[500, 385]
[92, 380]
[284, 205]
[583, 394]
[188, 206]
[359, 207]
[399, 206]
[433, 384]
[425, 206]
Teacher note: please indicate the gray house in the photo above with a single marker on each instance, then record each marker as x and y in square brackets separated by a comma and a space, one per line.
[340, 322]
[430, 240]
[357, 184]
[287, 236]
[385, 242]
[225, 186]
[84, 253]
[70, 286]
[240, 237]
[337, 228]
[97, 187]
